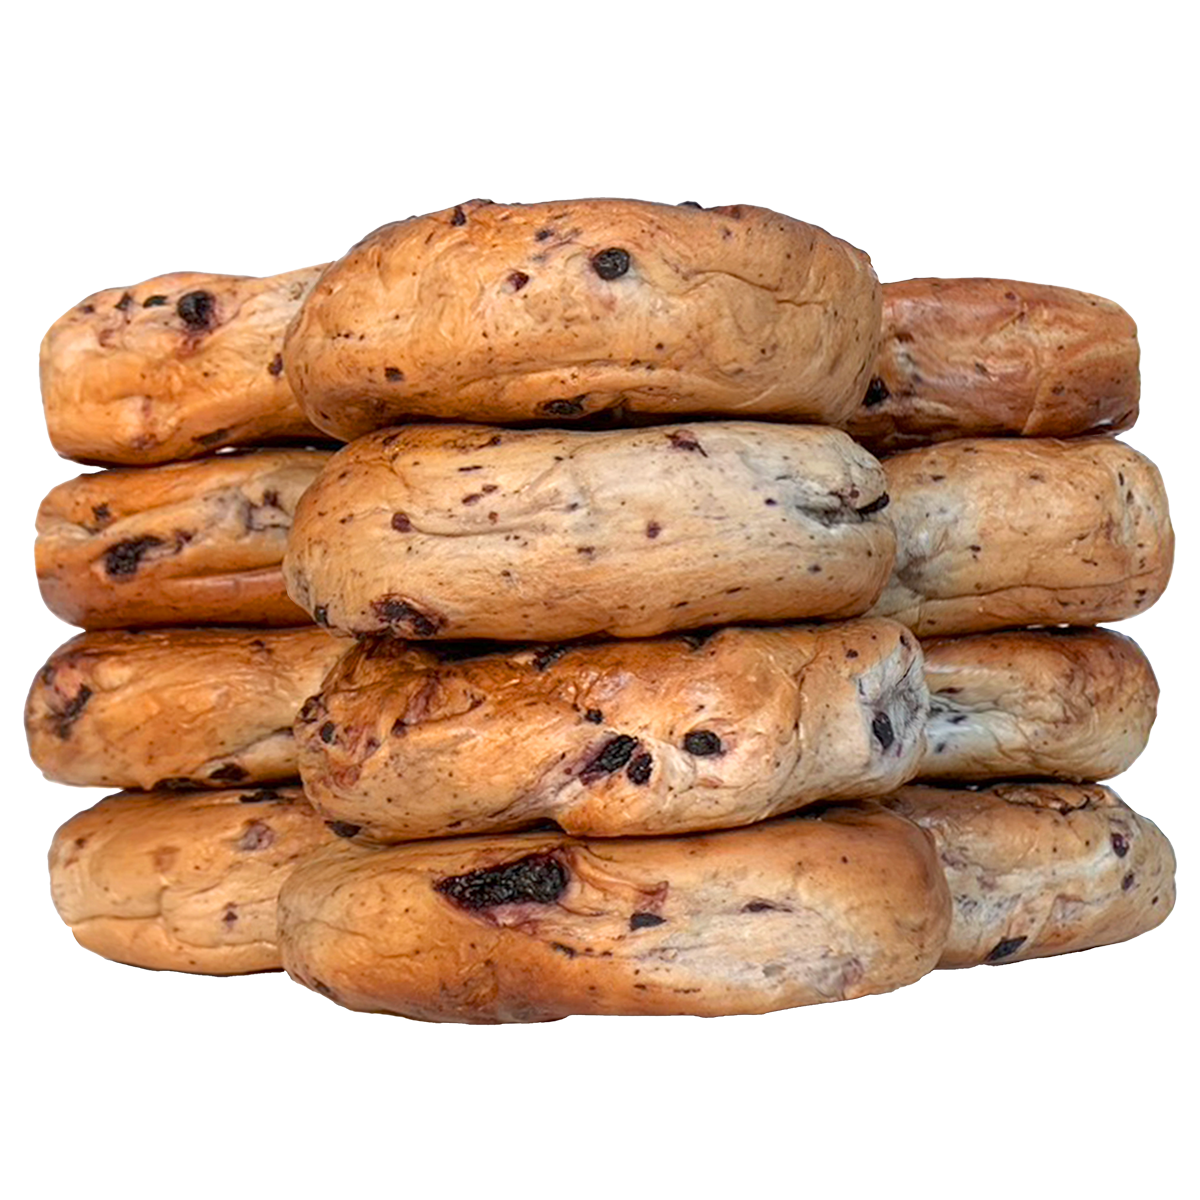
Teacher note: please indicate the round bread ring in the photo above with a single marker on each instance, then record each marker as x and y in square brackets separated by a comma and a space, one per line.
[535, 926]
[183, 881]
[172, 368]
[177, 707]
[999, 532]
[184, 544]
[974, 357]
[1042, 868]
[504, 313]
[464, 531]
[1069, 703]
[615, 739]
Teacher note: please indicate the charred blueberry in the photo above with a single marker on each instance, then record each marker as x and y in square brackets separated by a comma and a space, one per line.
[877, 393]
[1005, 948]
[881, 727]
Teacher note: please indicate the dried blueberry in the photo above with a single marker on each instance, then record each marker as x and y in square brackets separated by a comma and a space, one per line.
[1005, 948]
[640, 769]
[881, 727]
[611, 263]
[534, 879]
[123, 558]
[645, 920]
[196, 309]
[877, 393]
[613, 755]
[702, 742]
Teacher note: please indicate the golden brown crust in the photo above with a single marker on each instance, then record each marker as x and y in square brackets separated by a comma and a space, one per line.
[995, 532]
[464, 531]
[1042, 868]
[615, 739]
[196, 707]
[183, 881]
[182, 544]
[175, 367]
[1069, 703]
[974, 357]
[704, 925]
[517, 312]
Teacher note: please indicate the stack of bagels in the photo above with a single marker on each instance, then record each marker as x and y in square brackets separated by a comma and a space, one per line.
[594, 673]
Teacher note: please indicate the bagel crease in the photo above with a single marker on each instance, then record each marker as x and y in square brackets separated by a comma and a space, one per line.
[188, 543]
[996, 532]
[840, 902]
[464, 531]
[973, 357]
[183, 881]
[1042, 868]
[172, 368]
[614, 739]
[175, 707]
[557, 311]
[1069, 703]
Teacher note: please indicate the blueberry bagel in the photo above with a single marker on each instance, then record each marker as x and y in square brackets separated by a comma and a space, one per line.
[551, 312]
[974, 357]
[175, 707]
[1068, 703]
[173, 368]
[183, 881]
[610, 739]
[827, 905]
[183, 544]
[451, 531]
[1042, 868]
[995, 532]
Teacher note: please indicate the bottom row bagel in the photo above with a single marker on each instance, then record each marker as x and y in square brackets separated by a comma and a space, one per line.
[834, 902]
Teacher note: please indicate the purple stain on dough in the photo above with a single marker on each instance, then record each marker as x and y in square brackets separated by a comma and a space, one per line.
[64, 719]
[258, 835]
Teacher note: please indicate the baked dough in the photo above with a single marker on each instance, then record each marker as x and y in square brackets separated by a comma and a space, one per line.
[520, 312]
[1042, 868]
[831, 905]
[184, 544]
[971, 357]
[182, 881]
[1069, 703]
[177, 707]
[173, 368]
[453, 531]
[995, 532]
[635, 737]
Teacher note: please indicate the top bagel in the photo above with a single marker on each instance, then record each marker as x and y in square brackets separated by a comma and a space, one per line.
[540, 312]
